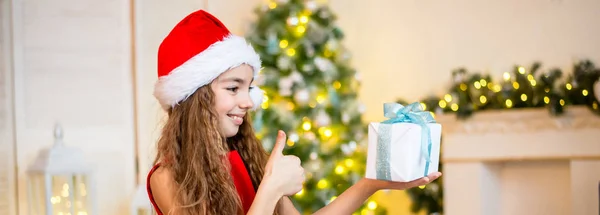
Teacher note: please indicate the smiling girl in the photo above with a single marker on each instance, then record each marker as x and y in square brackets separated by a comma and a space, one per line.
[209, 161]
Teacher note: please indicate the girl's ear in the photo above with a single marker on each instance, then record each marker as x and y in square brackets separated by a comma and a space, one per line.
[256, 94]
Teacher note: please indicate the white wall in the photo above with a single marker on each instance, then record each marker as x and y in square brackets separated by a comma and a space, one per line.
[408, 48]
[72, 65]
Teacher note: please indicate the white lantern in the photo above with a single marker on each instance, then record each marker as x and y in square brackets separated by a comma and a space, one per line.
[60, 181]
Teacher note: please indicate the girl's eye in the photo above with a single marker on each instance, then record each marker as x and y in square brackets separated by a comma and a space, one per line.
[233, 89]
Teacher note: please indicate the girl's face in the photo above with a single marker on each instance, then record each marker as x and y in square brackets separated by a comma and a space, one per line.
[232, 98]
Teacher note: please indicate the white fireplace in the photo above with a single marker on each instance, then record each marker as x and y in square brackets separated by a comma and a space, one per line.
[521, 162]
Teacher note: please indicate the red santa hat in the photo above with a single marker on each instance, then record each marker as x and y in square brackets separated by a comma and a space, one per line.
[196, 51]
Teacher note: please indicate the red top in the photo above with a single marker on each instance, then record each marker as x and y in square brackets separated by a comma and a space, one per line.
[241, 179]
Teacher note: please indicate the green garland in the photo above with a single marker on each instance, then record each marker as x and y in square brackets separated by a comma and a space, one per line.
[521, 88]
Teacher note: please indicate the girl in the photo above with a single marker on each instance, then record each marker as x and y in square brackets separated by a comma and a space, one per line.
[209, 161]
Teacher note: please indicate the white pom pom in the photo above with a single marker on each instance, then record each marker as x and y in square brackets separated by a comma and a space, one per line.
[256, 94]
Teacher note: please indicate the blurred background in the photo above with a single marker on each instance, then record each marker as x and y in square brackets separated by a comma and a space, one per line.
[513, 83]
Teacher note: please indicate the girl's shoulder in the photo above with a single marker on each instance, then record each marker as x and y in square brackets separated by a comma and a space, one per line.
[161, 188]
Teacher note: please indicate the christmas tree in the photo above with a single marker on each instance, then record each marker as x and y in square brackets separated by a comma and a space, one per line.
[311, 94]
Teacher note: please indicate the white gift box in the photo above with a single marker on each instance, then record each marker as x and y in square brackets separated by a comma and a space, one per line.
[406, 161]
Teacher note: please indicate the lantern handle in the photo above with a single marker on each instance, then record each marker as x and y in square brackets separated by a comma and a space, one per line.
[58, 135]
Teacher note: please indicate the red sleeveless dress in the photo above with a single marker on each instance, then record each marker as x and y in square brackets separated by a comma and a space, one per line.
[241, 179]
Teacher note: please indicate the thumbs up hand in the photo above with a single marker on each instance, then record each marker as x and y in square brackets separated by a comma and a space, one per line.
[283, 173]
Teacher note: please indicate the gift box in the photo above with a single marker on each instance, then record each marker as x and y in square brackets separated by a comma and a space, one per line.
[405, 147]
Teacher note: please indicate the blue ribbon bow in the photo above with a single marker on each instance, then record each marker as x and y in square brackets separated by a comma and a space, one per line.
[397, 113]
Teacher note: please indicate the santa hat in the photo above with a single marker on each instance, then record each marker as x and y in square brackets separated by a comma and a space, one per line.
[196, 52]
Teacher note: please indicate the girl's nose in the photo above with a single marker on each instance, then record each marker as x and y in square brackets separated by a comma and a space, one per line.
[246, 102]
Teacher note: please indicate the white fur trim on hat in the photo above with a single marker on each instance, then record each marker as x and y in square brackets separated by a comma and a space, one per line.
[203, 68]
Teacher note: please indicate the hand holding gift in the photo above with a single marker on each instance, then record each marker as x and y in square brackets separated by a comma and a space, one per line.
[404, 150]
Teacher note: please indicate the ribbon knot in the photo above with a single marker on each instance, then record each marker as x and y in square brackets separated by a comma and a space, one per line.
[397, 113]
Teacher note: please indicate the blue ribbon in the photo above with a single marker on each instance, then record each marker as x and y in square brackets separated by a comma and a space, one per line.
[397, 113]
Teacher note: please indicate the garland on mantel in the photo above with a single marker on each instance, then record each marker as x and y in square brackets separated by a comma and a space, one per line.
[521, 88]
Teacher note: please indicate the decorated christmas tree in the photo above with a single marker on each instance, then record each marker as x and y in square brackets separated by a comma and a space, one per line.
[311, 94]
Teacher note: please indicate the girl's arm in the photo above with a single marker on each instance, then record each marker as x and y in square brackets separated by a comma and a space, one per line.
[163, 191]
[357, 194]
[265, 200]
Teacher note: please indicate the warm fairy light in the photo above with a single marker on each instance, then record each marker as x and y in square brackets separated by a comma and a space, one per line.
[422, 187]
[424, 106]
[516, 85]
[546, 99]
[442, 104]
[448, 97]
[454, 107]
[506, 76]
[523, 97]
[272, 5]
[339, 169]
[349, 162]
[283, 44]
[306, 126]
[290, 143]
[322, 184]
[569, 86]
[372, 205]
[562, 102]
[303, 19]
[508, 103]
[483, 82]
[584, 92]
[477, 85]
[291, 52]
[328, 132]
[337, 85]
[482, 99]
[291, 106]
[463, 87]
[530, 77]
[321, 98]
[497, 88]
[533, 82]
[521, 70]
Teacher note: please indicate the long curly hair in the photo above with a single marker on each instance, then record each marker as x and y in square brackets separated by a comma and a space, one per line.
[194, 149]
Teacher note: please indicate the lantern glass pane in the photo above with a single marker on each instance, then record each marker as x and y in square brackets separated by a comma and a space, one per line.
[61, 197]
[81, 194]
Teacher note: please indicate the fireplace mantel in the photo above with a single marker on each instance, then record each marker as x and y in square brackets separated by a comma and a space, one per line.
[485, 155]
